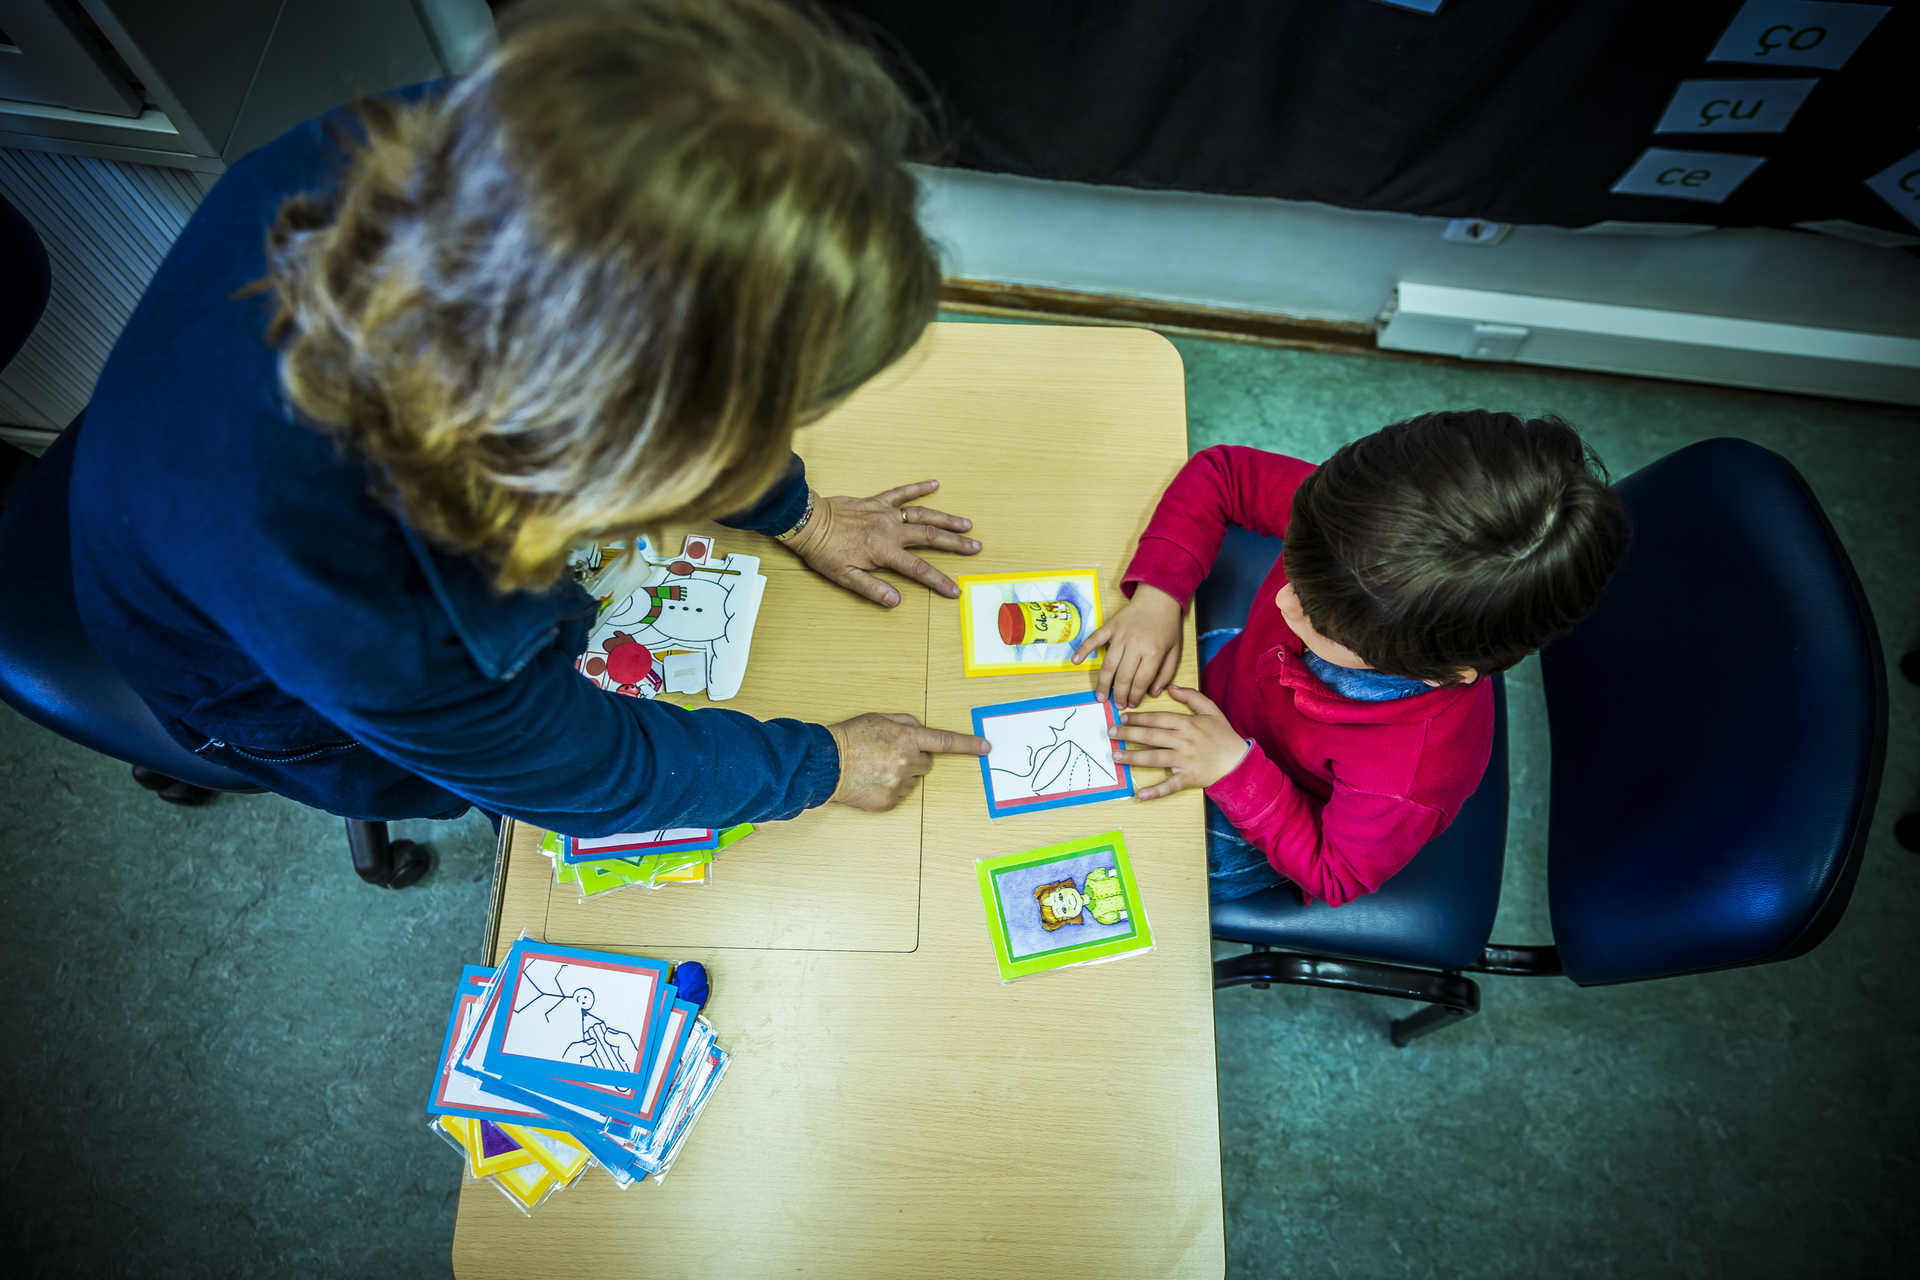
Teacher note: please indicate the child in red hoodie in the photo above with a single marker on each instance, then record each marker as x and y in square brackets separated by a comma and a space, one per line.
[1349, 720]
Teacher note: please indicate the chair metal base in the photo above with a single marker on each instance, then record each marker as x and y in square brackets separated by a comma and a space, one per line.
[172, 790]
[377, 859]
[1452, 998]
[388, 863]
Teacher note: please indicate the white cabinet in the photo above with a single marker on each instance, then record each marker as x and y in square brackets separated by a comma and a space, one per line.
[116, 115]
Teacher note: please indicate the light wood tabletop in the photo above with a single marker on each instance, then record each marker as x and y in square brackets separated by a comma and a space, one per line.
[893, 1108]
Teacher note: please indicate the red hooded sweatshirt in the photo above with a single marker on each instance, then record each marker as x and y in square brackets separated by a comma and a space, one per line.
[1339, 794]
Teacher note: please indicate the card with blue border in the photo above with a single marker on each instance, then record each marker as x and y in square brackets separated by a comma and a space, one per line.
[637, 844]
[1049, 753]
[586, 1017]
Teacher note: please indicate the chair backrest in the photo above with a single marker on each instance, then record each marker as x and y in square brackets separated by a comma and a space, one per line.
[1718, 728]
[49, 670]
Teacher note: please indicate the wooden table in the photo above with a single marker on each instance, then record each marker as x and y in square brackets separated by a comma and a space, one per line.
[893, 1108]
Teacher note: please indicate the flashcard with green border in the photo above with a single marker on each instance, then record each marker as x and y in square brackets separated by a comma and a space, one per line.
[1067, 904]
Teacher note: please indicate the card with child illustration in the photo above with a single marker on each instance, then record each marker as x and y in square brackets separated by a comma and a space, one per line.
[1068, 904]
[1049, 753]
[1022, 623]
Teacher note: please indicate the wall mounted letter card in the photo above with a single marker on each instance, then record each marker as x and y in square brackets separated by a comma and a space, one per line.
[1797, 33]
[1687, 175]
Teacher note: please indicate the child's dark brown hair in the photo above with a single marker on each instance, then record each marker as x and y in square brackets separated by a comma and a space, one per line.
[1454, 540]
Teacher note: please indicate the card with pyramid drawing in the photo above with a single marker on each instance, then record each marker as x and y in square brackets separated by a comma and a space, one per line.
[1049, 753]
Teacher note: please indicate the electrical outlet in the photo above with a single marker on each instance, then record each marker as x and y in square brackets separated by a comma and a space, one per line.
[1495, 341]
[1476, 231]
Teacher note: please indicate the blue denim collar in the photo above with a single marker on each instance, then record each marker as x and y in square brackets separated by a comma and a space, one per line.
[1361, 684]
[501, 633]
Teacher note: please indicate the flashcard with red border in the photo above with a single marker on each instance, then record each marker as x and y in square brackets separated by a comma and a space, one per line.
[456, 1093]
[637, 844]
[593, 1104]
[466, 1090]
[666, 1063]
[568, 1014]
[583, 1123]
[1049, 753]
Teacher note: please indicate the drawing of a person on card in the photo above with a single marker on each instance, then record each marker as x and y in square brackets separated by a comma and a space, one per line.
[599, 1045]
[1100, 896]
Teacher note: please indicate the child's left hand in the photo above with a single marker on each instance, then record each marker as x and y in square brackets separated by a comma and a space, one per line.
[1196, 750]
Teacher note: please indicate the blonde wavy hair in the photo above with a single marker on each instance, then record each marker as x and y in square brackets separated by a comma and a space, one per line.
[594, 288]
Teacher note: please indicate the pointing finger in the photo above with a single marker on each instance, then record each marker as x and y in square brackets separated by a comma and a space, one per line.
[947, 742]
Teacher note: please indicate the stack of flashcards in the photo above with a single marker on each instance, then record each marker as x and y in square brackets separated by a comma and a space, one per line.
[674, 855]
[565, 1056]
[1067, 904]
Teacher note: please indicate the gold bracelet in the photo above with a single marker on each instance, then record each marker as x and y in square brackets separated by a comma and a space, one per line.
[806, 514]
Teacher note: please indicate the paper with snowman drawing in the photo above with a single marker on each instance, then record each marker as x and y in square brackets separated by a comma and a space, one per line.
[681, 625]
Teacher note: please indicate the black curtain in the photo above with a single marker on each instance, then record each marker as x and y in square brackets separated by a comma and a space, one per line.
[1517, 110]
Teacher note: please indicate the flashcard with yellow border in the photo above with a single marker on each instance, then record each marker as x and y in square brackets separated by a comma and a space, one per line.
[1021, 623]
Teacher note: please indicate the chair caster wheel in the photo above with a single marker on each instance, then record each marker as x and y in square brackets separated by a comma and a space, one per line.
[172, 790]
[412, 863]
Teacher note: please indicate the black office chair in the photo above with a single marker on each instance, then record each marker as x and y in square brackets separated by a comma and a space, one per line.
[1718, 725]
[49, 669]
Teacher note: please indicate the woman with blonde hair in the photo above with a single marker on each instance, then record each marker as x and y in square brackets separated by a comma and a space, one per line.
[327, 484]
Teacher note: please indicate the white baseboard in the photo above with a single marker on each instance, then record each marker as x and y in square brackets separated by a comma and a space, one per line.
[1479, 324]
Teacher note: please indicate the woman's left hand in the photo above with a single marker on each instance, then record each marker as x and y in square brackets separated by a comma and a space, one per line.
[1196, 750]
[848, 540]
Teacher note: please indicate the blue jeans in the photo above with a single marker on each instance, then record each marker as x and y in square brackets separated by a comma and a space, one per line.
[1236, 867]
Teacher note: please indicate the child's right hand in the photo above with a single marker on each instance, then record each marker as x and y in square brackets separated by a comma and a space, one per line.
[1143, 647]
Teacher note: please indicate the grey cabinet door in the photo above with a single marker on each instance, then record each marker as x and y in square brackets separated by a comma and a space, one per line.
[48, 57]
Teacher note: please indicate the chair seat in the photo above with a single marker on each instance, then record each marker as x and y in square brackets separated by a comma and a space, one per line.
[1436, 914]
[49, 670]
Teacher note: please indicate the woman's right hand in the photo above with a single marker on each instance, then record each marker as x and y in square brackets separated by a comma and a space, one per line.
[1143, 647]
[883, 756]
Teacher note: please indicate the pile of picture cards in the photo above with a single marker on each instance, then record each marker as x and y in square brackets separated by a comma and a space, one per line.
[648, 859]
[563, 1057]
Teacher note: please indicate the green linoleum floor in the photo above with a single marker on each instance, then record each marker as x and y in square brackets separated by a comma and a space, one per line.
[218, 1040]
